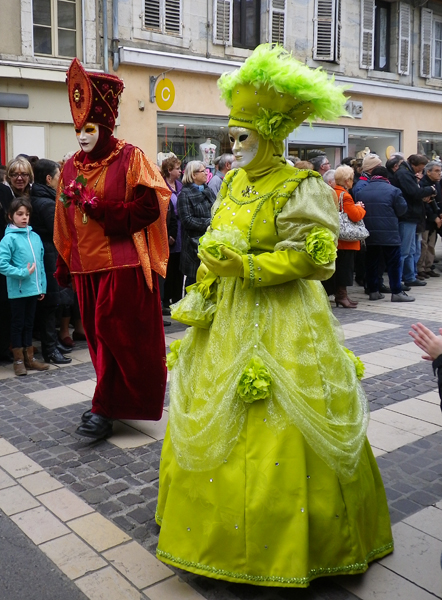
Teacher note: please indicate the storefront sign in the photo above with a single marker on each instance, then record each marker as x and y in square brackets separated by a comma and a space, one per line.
[165, 94]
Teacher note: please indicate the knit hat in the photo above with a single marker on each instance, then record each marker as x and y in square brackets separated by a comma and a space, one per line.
[93, 97]
[272, 93]
[370, 162]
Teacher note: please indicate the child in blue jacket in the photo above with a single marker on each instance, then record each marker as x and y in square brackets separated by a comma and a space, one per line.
[21, 260]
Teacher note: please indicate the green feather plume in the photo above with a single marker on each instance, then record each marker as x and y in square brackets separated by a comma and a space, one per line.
[276, 68]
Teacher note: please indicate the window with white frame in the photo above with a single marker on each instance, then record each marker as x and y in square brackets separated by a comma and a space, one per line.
[327, 30]
[377, 18]
[163, 16]
[431, 44]
[56, 27]
[238, 22]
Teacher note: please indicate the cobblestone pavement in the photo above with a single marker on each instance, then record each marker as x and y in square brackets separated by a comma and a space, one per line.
[118, 478]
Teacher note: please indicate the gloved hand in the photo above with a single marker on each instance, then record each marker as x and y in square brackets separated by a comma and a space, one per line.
[94, 210]
[62, 273]
[231, 267]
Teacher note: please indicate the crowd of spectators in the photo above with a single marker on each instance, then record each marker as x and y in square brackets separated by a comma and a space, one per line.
[401, 206]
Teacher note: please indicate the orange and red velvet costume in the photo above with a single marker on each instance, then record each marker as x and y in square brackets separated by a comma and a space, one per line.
[114, 255]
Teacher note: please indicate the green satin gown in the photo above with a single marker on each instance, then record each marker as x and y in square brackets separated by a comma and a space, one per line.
[284, 489]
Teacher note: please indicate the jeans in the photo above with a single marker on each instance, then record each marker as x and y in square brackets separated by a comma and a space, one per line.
[22, 321]
[417, 253]
[374, 257]
[407, 231]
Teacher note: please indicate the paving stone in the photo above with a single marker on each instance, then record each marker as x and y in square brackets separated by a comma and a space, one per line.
[95, 496]
[116, 488]
[141, 515]
[131, 499]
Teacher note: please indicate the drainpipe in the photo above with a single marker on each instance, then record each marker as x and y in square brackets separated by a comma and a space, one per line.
[115, 39]
[105, 42]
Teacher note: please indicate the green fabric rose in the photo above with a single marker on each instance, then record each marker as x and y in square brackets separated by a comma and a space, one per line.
[321, 246]
[255, 381]
[274, 125]
[359, 365]
[230, 237]
[172, 357]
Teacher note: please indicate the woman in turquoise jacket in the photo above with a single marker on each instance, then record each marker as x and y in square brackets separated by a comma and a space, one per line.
[21, 260]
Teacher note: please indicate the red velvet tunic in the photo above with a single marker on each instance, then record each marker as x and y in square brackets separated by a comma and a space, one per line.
[117, 288]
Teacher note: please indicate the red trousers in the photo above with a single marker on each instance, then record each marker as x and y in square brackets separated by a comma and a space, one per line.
[123, 323]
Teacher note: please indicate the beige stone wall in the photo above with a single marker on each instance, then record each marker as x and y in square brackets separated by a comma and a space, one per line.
[10, 38]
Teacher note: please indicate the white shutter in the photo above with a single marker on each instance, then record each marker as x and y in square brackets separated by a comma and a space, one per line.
[366, 57]
[222, 22]
[426, 41]
[152, 18]
[404, 38]
[172, 16]
[324, 30]
[277, 22]
[338, 31]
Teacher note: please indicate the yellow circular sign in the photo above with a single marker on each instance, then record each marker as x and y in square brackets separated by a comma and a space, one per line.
[165, 94]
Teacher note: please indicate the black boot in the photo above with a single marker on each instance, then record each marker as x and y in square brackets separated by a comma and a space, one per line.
[96, 427]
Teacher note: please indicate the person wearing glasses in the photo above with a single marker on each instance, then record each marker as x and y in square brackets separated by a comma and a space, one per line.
[19, 179]
[194, 210]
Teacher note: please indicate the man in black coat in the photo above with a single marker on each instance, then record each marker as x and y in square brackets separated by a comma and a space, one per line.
[433, 210]
[383, 203]
[414, 195]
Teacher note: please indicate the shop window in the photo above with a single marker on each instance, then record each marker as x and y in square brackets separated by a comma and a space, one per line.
[327, 30]
[56, 27]
[183, 134]
[163, 16]
[429, 144]
[238, 22]
[382, 142]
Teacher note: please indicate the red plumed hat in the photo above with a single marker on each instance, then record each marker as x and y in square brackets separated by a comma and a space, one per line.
[93, 97]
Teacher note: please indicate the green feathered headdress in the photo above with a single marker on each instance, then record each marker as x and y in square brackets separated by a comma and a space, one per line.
[273, 93]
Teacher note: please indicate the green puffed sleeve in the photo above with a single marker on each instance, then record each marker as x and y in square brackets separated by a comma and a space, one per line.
[308, 227]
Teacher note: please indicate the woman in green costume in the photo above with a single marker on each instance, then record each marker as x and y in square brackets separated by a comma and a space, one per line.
[266, 475]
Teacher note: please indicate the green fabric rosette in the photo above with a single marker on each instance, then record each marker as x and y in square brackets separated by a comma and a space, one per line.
[359, 365]
[255, 381]
[273, 125]
[230, 237]
[320, 245]
[172, 356]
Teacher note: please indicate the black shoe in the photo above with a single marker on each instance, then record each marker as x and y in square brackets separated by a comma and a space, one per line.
[166, 323]
[96, 427]
[57, 358]
[360, 282]
[415, 283]
[384, 289]
[432, 274]
[405, 288]
[86, 416]
[63, 349]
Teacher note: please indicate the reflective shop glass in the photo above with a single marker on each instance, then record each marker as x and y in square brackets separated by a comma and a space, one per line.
[183, 135]
[429, 144]
[382, 142]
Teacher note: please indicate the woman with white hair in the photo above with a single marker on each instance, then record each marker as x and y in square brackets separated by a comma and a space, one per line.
[194, 210]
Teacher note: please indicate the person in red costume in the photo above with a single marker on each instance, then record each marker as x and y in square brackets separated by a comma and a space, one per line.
[110, 232]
